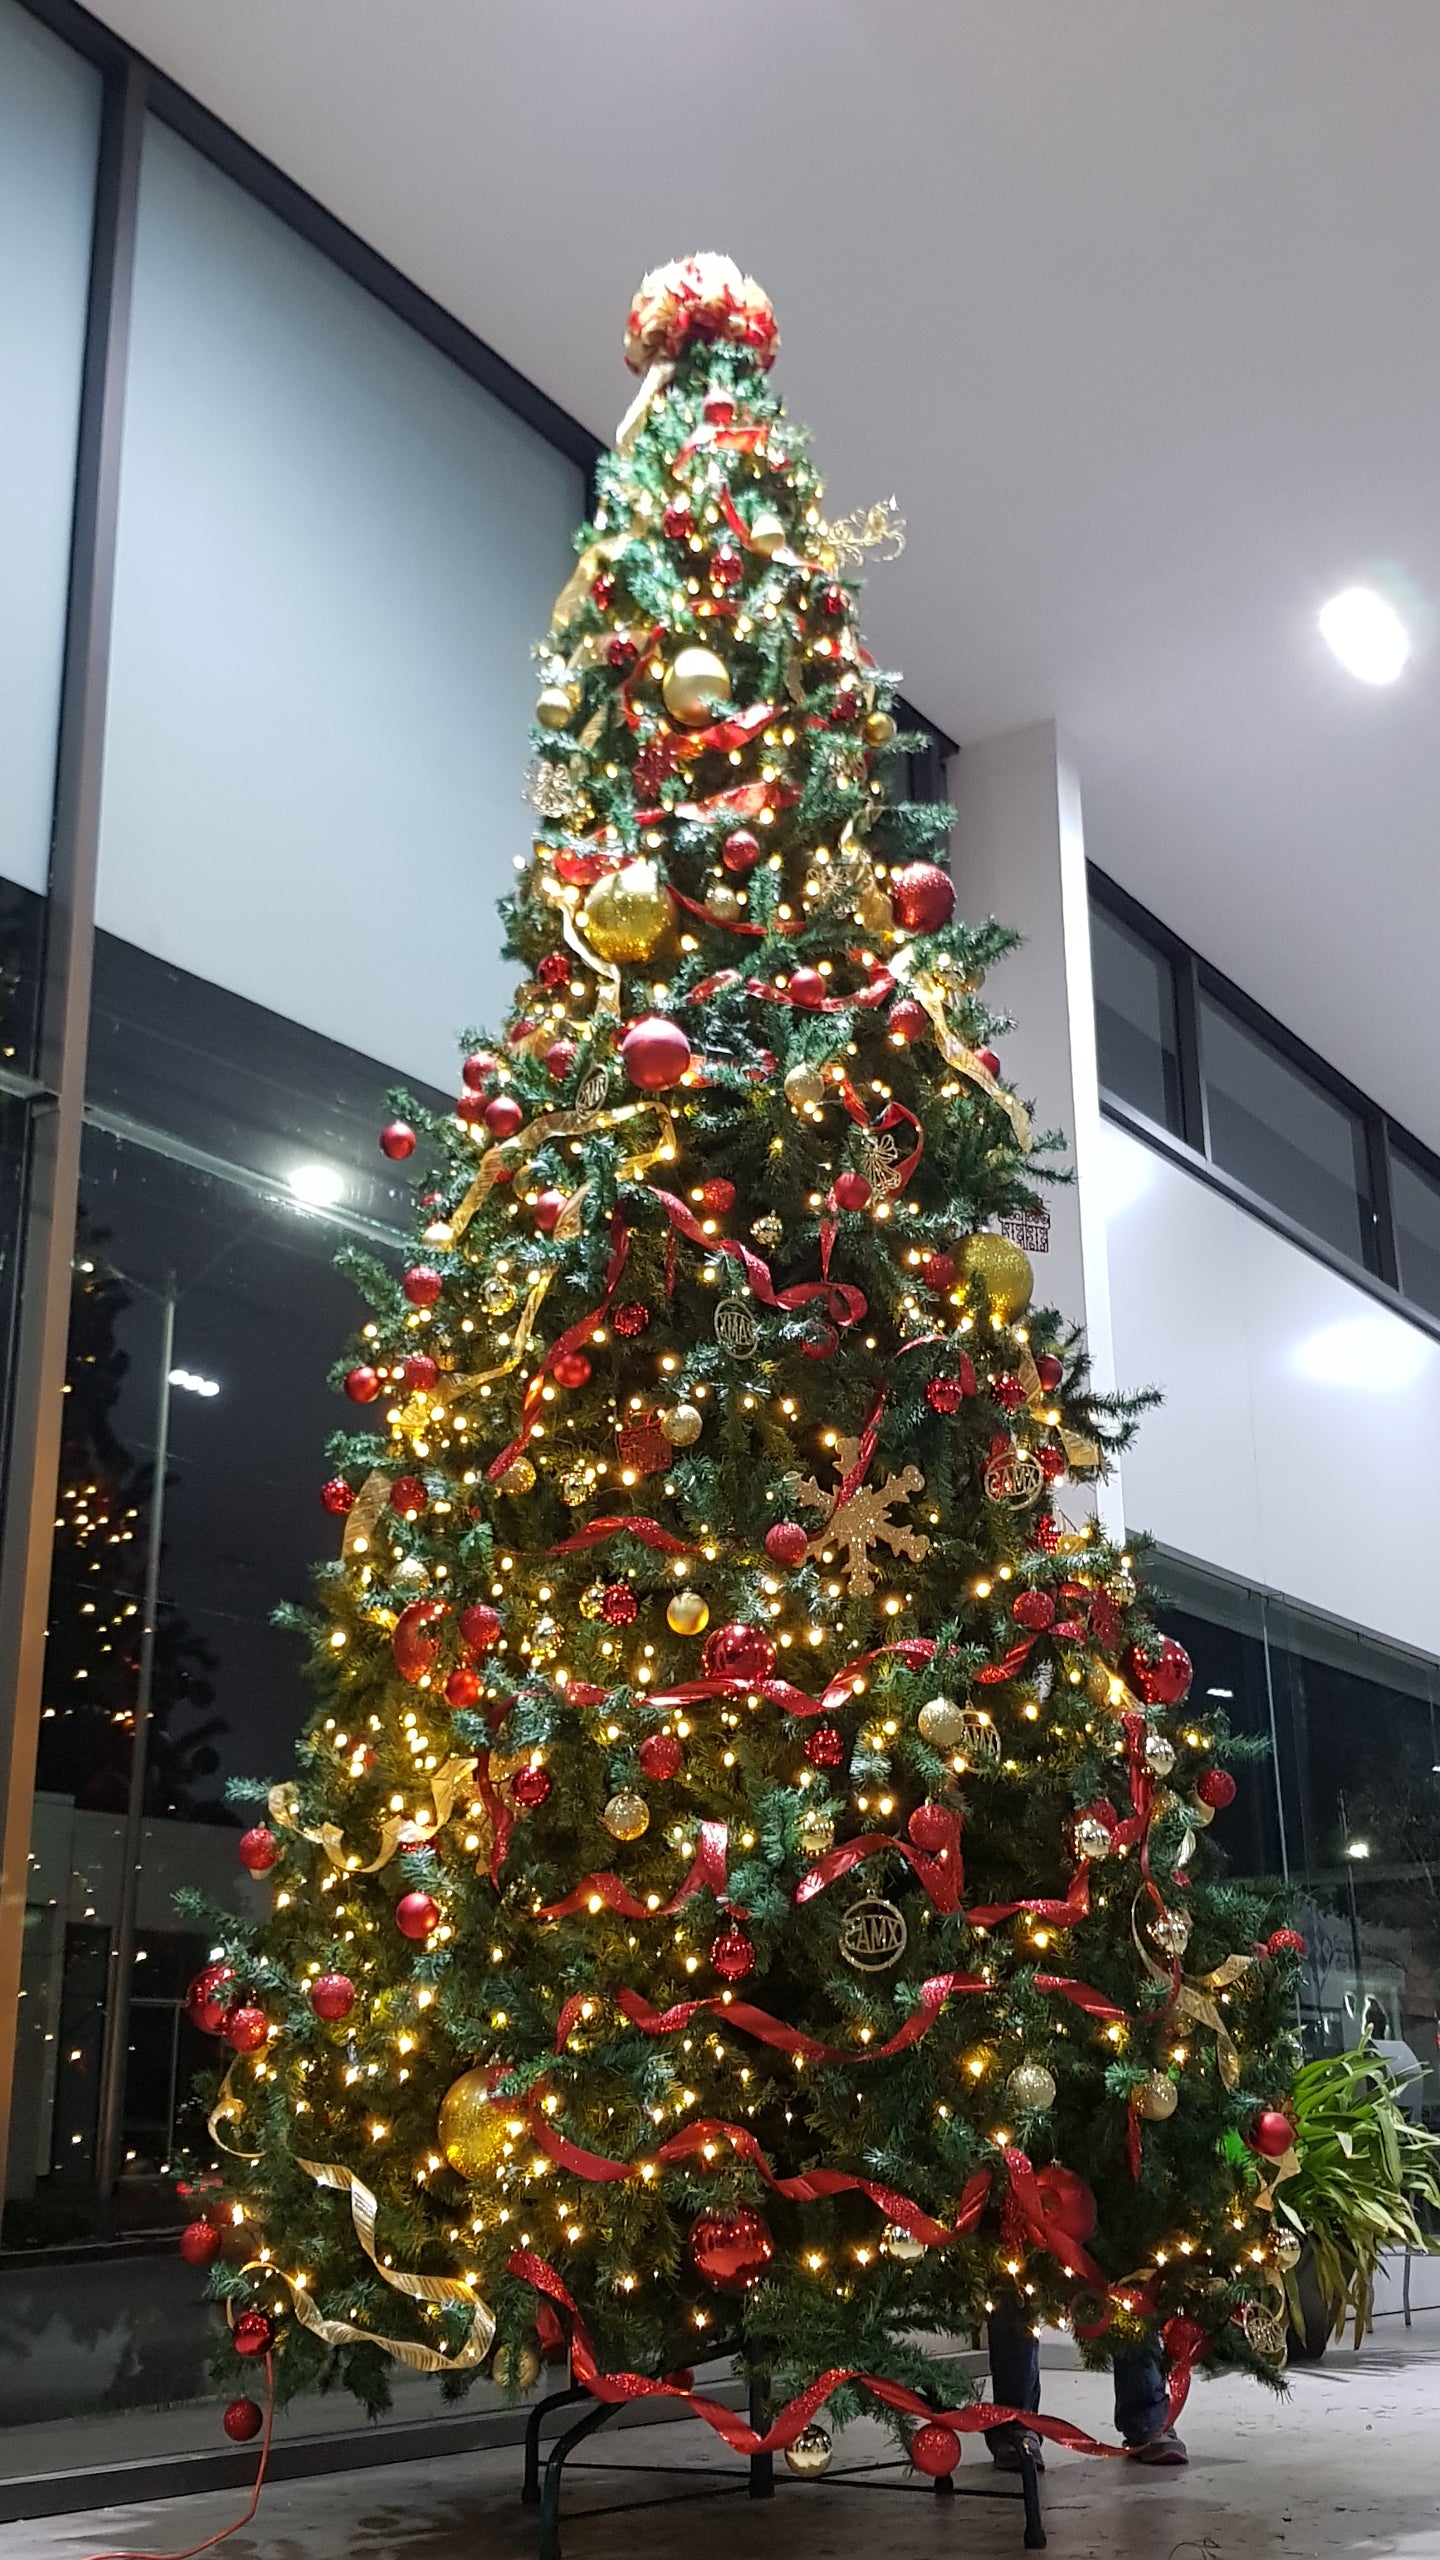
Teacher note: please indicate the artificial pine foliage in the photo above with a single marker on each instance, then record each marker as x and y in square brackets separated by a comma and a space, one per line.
[747, 1865]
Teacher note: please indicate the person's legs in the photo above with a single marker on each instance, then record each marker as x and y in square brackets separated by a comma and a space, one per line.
[1142, 2404]
[1014, 2367]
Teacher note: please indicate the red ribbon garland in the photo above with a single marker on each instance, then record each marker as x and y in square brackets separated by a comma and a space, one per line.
[1064, 1914]
[864, 998]
[649, 1531]
[891, 1117]
[942, 1876]
[709, 1871]
[569, 1340]
[768, 2030]
[844, 1305]
[727, 924]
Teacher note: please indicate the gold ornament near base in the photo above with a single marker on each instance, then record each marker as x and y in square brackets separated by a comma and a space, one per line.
[1156, 2098]
[626, 914]
[1031, 2088]
[626, 1816]
[471, 2129]
[688, 1614]
[815, 1834]
[1003, 1272]
[901, 2245]
[515, 2369]
[557, 705]
[810, 2454]
[695, 688]
[682, 1425]
[519, 1477]
[804, 1087]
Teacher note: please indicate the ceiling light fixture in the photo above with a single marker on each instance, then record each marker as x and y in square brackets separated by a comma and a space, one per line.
[318, 1185]
[1366, 634]
[195, 1385]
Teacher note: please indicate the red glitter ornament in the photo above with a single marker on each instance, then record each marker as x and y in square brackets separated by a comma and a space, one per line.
[1049, 1371]
[1009, 1392]
[549, 1207]
[1216, 1787]
[554, 969]
[660, 1755]
[414, 1640]
[560, 1057]
[1045, 1534]
[807, 988]
[200, 2244]
[738, 1652]
[1162, 1675]
[677, 521]
[622, 652]
[462, 1688]
[247, 2028]
[619, 1606]
[1034, 1609]
[253, 2334]
[478, 1068]
[362, 1386]
[931, 1828]
[923, 897]
[1285, 1942]
[602, 588]
[503, 1115]
[1271, 2134]
[242, 2421]
[471, 1108]
[727, 567]
[731, 1954]
[572, 1369]
[420, 1372]
[407, 1496]
[786, 1543]
[421, 1285]
[825, 1746]
[655, 1053]
[852, 1191]
[908, 1020]
[480, 1627]
[833, 601]
[258, 1849]
[938, 1271]
[630, 1319]
[731, 2251]
[397, 1141]
[336, 1497]
[741, 850]
[416, 1914]
[717, 1195]
[530, 1787]
[717, 409]
[944, 1395]
[935, 2450]
[332, 1996]
[207, 2002]
[1052, 1464]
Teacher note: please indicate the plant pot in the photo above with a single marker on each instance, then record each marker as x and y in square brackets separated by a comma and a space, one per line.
[1307, 2345]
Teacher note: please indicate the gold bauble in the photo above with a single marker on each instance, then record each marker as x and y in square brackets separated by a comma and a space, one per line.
[722, 903]
[497, 1297]
[1092, 1837]
[695, 689]
[1287, 2251]
[1171, 1931]
[815, 1834]
[682, 1425]
[626, 1815]
[804, 1086]
[942, 1722]
[471, 2127]
[592, 1600]
[515, 2369]
[874, 911]
[1031, 2088]
[879, 729]
[519, 1476]
[545, 1639]
[1159, 1754]
[688, 1614]
[557, 705]
[627, 912]
[810, 2453]
[1156, 2098]
[1003, 1272]
[768, 1231]
[901, 2245]
[767, 533]
[412, 1574]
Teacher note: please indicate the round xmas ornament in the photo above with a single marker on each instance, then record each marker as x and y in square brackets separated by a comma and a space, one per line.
[731, 2251]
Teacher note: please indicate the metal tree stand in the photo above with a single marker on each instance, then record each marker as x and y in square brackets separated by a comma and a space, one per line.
[544, 2491]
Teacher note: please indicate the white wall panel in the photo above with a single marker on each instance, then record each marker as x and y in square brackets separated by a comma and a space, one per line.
[1297, 1440]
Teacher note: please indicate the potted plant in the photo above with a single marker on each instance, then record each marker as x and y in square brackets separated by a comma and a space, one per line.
[1363, 2173]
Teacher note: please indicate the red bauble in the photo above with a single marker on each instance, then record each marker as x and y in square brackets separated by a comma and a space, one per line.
[944, 1395]
[1045, 1534]
[807, 988]
[530, 1787]
[741, 850]
[207, 2002]
[1068, 2202]
[738, 1652]
[717, 1195]
[407, 1496]
[681, 2377]
[242, 2420]
[655, 1053]
[732, 1954]
[660, 1755]
[477, 1069]
[1271, 2134]
[1052, 1464]
[1008, 1392]
[717, 408]
[503, 1115]
[622, 652]
[1049, 1371]
[362, 1386]
[560, 1057]
[397, 1141]
[821, 1344]
[332, 1996]
[554, 969]
[731, 2251]
[336, 1497]
[1162, 1676]
[1216, 1787]
[603, 588]
[572, 1369]
[421, 1285]
[938, 1271]
[420, 1372]
[677, 521]
[253, 2334]
[786, 1543]
[258, 1849]
[923, 897]
[619, 1606]
[908, 1020]
[462, 1689]
[247, 2028]
[825, 1746]
[931, 1828]
[470, 1107]
[519, 1033]
[413, 1640]
[549, 1209]
[200, 2244]
[727, 566]
[852, 1191]
[480, 1627]
[832, 601]
[1284, 1942]
[935, 2450]
[631, 1319]
[416, 1914]
[987, 1059]
[1034, 1609]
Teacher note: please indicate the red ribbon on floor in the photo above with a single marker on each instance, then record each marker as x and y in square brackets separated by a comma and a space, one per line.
[194, 2549]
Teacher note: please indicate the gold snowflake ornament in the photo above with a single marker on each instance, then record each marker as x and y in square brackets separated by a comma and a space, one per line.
[863, 1522]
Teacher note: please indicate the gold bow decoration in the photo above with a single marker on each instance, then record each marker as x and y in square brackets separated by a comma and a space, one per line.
[1195, 2001]
[880, 528]
[557, 1124]
[1079, 1452]
[397, 1831]
[226, 2108]
[592, 560]
[448, 2292]
[926, 989]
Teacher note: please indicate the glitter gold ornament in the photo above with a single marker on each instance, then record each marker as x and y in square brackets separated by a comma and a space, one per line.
[804, 1086]
[471, 2128]
[864, 1521]
[815, 1834]
[810, 2454]
[515, 2369]
[695, 688]
[688, 1614]
[626, 1816]
[682, 1425]
[767, 532]
[768, 1231]
[519, 1477]
[627, 912]
[874, 911]
[592, 1600]
[557, 705]
[942, 1722]
[722, 903]
[545, 1639]
[497, 1297]
[1003, 1272]
[1031, 2088]
[1156, 2097]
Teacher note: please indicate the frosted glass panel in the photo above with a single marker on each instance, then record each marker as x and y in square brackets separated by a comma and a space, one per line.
[49, 123]
[334, 552]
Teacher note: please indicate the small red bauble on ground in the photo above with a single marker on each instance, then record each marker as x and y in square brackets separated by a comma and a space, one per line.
[935, 2450]
[560, 1057]
[207, 2002]
[619, 1606]
[717, 408]
[717, 1195]
[572, 1369]
[631, 1319]
[1068, 2202]
[923, 897]
[738, 1652]
[1162, 1673]
[336, 1497]
[821, 1343]
[253, 2334]
[908, 1020]
[825, 1746]
[655, 1053]
[732, 1954]
[1052, 1464]
[852, 1191]
[247, 2028]
[480, 1627]
[741, 850]
[931, 1828]
[531, 1787]
[258, 1849]
[987, 1059]
[786, 1543]
[1049, 1370]
[332, 1996]
[554, 969]
[471, 1108]
[1216, 1787]
[807, 988]
[421, 1285]
[677, 521]
[362, 1386]
[1271, 2134]
[407, 1496]
[731, 2251]
[549, 1210]
[462, 1688]
[1035, 1609]
[477, 1068]
[1009, 1392]
[938, 1271]
[622, 652]
[242, 2421]
[503, 1115]
[200, 2244]
[944, 1395]
[397, 1141]
[1284, 1942]
[420, 1372]
[660, 1755]
[416, 1914]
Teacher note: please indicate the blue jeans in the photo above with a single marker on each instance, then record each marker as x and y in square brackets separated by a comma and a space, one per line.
[1141, 2398]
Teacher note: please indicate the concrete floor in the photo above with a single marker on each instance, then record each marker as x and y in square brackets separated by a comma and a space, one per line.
[1347, 2464]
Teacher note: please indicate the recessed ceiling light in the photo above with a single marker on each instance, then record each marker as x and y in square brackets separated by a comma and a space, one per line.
[1366, 634]
[193, 1383]
[319, 1185]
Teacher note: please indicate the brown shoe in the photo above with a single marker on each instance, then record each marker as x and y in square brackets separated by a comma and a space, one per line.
[1162, 2452]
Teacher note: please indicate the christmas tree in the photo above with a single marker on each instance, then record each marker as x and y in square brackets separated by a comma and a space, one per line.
[746, 1883]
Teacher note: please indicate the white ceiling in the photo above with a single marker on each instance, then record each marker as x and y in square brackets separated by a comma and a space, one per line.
[1134, 303]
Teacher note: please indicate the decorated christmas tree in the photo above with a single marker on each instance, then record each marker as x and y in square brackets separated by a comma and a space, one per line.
[746, 1884]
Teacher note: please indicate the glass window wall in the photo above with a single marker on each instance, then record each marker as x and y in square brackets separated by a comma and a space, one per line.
[1415, 1195]
[1135, 1025]
[1284, 1136]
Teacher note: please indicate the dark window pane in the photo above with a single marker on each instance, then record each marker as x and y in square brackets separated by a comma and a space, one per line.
[1416, 1197]
[1135, 1020]
[1284, 1137]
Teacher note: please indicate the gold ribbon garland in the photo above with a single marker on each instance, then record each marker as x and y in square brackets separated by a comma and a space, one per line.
[1079, 1452]
[558, 894]
[1193, 1999]
[398, 1830]
[927, 991]
[363, 1516]
[227, 2106]
[445, 2291]
[557, 1124]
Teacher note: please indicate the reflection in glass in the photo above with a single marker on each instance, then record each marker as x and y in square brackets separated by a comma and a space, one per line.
[1415, 1194]
[1135, 1029]
[1284, 1136]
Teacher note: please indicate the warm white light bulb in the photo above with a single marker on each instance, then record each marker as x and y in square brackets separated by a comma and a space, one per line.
[319, 1185]
[1366, 634]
